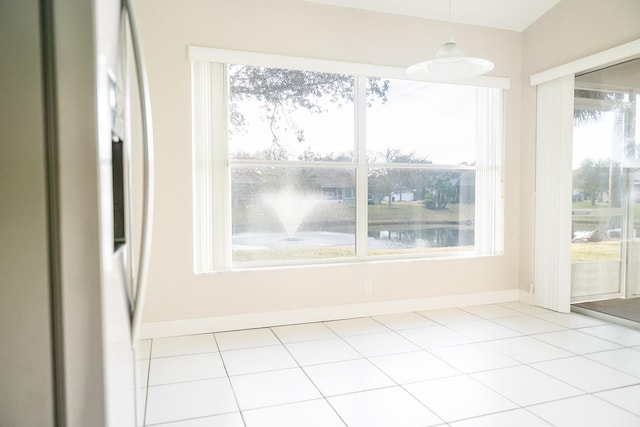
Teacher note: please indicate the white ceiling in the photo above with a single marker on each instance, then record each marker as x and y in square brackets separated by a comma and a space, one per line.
[515, 15]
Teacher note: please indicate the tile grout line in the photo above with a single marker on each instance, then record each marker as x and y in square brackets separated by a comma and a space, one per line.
[584, 392]
[519, 406]
[420, 349]
[469, 375]
[309, 378]
[363, 357]
[464, 374]
[388, 376]
[204, 417]
[595, 395]
[146, 387]
[233, 390]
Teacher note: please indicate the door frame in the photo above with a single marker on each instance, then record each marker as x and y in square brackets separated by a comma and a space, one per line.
[552, 273]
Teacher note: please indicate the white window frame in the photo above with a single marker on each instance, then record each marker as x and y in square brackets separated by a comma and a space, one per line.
[211, 165]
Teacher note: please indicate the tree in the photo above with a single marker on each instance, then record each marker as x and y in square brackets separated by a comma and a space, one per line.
[590, 106]
[585, 111]
[280, 91]
[592, 178]
[388, 181]
[440, 191]
[309, 155]
[383, 182]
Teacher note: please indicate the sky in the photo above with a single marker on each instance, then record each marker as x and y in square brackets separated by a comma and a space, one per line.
[595, 140]
[592, 141]
[434, 121]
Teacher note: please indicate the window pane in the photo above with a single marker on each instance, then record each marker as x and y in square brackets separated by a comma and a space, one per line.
[289, 213]
[420, 210]
[598, 196]
[280, 114]
[423, 123]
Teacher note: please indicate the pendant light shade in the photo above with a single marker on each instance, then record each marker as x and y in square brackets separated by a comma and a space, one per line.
[450, 62]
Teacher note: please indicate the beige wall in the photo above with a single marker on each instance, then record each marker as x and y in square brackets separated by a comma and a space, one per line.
[570, 31]
[300, 29]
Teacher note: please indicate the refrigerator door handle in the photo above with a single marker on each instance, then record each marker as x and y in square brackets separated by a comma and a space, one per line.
[139, 291]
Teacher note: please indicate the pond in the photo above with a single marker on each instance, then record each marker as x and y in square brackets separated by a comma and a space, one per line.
[439, 237]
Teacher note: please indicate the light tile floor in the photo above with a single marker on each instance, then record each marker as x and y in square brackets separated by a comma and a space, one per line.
[494, 365]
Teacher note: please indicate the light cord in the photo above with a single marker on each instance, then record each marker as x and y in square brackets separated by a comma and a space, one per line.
[449, 18]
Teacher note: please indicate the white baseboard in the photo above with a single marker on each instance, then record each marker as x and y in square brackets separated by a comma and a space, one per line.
[526, 297]
[318, 314]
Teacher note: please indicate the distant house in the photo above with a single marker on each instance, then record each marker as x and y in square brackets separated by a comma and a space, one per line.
[373, 198]
[403, 196]
[338, 193]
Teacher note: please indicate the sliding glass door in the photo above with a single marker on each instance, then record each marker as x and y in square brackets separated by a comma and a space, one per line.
[605, 248]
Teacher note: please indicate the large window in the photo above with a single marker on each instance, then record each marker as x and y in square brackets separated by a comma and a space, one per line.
[302, 161]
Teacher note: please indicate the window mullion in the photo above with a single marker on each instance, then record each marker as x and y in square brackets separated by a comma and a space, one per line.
[362, 191]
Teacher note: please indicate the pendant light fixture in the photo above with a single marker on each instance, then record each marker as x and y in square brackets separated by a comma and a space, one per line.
[450, 63]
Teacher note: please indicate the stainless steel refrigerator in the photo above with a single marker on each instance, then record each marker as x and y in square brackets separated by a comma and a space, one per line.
[75, 223]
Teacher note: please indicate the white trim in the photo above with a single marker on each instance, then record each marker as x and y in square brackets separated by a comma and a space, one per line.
[214, 189]
[339, 164]
[609, 56]
[325, 66]
[318, 314]
[526, 297]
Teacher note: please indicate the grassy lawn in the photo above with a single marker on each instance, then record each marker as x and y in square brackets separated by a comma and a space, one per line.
[606, 250]
[415, 212]
[425, 251]
[580, 252]
[288, 254]
[340, 217]
[595, 251]
[586, 204]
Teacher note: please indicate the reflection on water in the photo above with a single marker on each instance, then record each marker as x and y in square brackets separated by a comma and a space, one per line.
[422, 238]
[441, 237]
